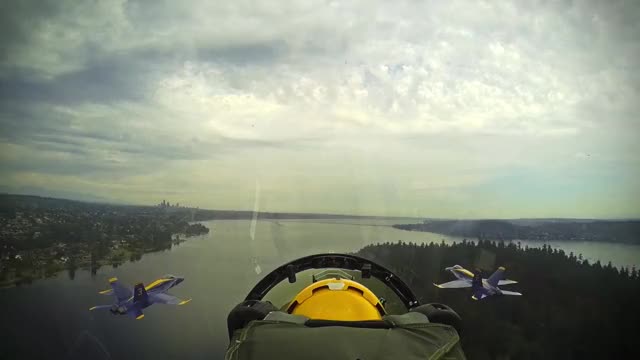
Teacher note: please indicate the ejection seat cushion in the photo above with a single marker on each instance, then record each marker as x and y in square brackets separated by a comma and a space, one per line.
[411, 337]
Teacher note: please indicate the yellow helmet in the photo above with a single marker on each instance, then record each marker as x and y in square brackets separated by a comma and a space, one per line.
[337, 299]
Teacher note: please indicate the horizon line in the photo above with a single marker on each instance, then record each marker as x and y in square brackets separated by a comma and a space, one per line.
[328, 214]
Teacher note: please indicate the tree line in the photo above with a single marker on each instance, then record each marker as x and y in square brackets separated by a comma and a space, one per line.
[623, 231]
[571, 308]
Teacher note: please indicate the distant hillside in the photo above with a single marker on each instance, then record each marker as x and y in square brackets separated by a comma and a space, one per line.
[623, 231]
[10, 203]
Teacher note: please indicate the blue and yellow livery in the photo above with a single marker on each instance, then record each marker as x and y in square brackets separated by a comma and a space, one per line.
[481, 287]
[131, 302]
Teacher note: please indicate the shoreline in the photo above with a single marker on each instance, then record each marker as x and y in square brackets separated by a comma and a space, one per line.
[48, 267]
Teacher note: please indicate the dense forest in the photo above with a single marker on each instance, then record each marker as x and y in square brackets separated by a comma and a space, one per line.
[624, 231]
[570, 309]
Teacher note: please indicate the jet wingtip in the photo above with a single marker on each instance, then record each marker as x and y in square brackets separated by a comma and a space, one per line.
[184, 301]
[139, 317]
[438, 286]
[92, 308]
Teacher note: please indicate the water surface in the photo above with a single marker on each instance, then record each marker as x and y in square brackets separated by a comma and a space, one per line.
[50, 318]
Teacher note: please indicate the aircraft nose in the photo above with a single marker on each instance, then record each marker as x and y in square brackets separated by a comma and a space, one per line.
[179, 280]
[449, 268]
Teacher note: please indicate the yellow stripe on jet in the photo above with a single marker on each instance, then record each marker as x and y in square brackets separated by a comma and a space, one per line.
[184, 302]
[92, 308]
[156, 283]
[140, 317]
[465, 271]
[113, 279]
[104, 291]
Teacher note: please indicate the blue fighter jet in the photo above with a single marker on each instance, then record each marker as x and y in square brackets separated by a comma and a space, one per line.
[132, 302]
[480, 287]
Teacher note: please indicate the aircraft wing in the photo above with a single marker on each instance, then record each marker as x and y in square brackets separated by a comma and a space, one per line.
[164, 298]
[505, 292]
[506, 282]
[121, 292]
[455, 284]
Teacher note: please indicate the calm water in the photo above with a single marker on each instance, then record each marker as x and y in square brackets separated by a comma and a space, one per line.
[50, 318]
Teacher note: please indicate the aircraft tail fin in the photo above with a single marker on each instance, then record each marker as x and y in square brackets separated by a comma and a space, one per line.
[495, 278]
[140, 294]
[136, 313]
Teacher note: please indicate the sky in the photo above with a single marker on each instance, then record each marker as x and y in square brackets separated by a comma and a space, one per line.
[494, 109]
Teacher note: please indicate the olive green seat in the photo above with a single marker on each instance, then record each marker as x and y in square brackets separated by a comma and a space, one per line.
[283, 336]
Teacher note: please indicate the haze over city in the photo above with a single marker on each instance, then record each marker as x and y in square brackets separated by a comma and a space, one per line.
[444, 109]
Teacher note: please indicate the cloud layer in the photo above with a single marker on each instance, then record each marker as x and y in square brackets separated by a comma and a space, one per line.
[490, 109]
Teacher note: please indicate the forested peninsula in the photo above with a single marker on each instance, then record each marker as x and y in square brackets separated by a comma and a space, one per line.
[571, 309]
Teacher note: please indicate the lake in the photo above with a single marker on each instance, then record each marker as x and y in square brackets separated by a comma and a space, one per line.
[50, 318]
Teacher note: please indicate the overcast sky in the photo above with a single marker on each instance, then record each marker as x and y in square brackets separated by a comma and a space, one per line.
[417, 108]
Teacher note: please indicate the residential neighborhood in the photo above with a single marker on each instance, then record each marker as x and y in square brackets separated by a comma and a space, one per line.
[40, 237]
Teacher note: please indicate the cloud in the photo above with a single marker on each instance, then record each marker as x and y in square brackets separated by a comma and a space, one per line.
[426, 99]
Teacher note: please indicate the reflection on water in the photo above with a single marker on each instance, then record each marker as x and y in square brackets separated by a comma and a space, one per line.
[50, 318]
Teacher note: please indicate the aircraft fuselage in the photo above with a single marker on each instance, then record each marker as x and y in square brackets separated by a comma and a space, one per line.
[158, 286]
[466, 275]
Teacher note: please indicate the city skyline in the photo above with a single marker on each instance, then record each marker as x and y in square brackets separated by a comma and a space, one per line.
[447, 110]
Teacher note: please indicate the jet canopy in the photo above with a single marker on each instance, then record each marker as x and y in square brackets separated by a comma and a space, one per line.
[336, 306]
[319, 285]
